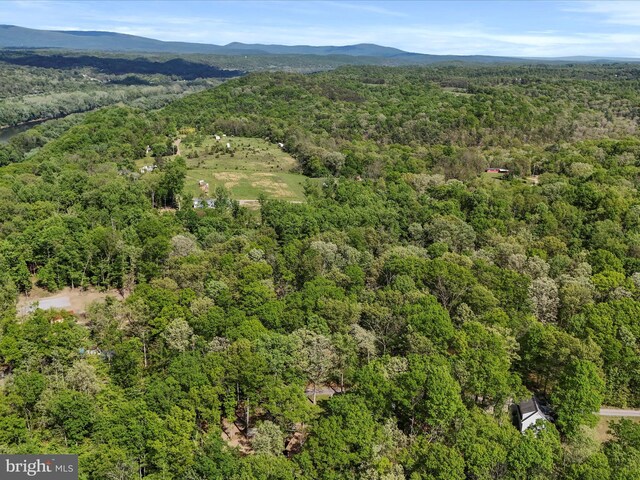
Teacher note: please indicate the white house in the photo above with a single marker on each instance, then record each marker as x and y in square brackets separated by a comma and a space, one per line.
[528, 412]
[217, 138]
[281, 145]
[228, 146]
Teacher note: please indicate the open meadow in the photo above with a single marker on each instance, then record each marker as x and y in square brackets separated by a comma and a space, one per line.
[248, 168]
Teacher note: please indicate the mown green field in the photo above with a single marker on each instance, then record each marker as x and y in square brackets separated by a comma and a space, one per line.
[251, 167]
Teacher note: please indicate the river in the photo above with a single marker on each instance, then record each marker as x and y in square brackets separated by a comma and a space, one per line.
[8, 132]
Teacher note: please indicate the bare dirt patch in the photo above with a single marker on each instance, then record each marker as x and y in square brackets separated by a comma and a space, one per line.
[176, 143]
[229, 176]
[230, 179]
[234, 437]
[73, 299]
[278, 189]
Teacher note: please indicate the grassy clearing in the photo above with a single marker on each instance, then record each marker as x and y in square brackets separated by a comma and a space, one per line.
[600, 431]
[457, 91]
[249, 168]
[492, 177]
[495, 176]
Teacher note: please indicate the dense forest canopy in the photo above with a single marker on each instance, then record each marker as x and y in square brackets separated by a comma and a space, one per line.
[431, 115]
[429, 294]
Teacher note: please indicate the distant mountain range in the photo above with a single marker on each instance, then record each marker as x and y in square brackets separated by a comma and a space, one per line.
[13, 37]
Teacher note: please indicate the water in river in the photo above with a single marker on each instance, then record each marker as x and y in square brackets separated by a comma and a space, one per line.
[7, 133]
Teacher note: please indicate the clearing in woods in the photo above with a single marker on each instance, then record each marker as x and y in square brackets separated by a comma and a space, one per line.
[75, 300]
[601, 430]
[250, 167]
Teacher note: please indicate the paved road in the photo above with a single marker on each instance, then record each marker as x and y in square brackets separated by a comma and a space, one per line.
[618, 412]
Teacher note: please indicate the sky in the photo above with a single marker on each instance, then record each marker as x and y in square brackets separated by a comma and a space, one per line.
[508, 27]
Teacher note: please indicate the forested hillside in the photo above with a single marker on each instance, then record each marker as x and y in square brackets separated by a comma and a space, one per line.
[46, 85]
[476, 111]
[430, 295]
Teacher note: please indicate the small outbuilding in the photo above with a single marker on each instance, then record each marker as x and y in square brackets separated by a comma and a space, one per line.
[503, 171]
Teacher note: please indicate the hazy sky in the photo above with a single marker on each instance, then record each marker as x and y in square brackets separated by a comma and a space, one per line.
[519, 28]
